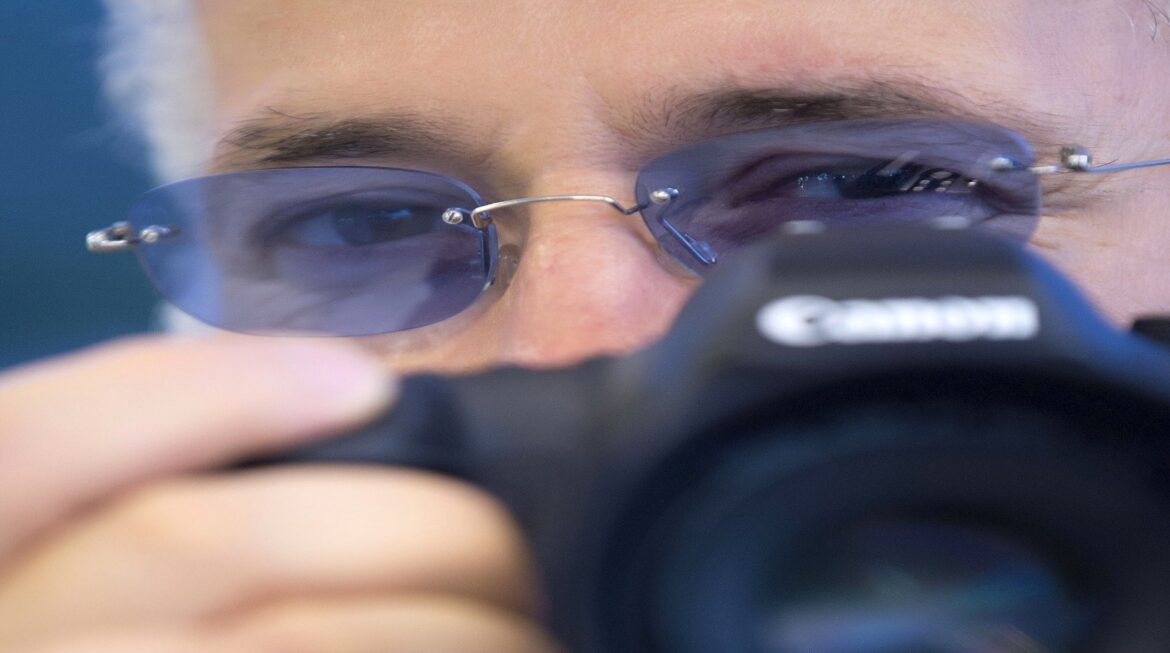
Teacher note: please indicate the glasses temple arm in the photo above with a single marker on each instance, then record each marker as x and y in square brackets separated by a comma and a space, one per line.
[1078, 159]
[121, 236]
[1129, 166]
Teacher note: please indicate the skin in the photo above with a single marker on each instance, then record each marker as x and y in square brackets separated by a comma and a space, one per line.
[129, 545]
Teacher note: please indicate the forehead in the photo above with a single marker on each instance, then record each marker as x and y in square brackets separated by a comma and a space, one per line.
[532, 69]
[446, 48]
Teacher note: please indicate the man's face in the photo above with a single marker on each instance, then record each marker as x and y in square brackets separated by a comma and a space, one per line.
[538, 97]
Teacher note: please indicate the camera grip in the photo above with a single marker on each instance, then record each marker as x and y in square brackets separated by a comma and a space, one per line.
[424, 430]
[524, 437]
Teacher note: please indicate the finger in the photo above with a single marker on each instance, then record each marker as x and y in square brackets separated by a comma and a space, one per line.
[137, 641]
[404, 624]
[435, 624]
[77, 428]
[187, 550]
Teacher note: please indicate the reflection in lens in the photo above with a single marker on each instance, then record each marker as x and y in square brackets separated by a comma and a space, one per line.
[734, 190]
[917, 586]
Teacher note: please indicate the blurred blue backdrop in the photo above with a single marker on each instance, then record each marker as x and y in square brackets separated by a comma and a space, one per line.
[64, 172]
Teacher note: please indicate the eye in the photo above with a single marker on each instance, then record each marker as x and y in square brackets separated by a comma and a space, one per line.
[882, 181]
[844, 179]
[357, 223]
[838, 189]
[833, 189]
[736, 189]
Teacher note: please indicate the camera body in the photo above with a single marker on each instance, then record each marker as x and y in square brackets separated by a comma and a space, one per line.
[859, 440]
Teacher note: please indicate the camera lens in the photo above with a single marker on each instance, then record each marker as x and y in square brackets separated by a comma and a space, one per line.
[944, 529]
[916, 585]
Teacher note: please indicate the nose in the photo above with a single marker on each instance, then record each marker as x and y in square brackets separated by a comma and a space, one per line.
[589, 282]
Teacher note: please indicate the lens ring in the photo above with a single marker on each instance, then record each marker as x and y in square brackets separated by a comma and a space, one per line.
[1087, 522]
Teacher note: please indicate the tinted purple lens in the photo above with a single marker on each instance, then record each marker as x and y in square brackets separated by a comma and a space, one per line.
[342, 251]
[735, 189]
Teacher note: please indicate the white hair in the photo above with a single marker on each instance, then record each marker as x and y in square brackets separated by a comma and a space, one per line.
[157, 79]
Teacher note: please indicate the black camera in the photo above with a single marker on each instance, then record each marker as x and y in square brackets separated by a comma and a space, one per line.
[856, 441]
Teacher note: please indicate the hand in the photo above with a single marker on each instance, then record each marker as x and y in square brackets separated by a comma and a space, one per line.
[116, 536]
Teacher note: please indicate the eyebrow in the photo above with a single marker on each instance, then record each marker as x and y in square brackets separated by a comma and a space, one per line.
[276, 137]
[670, 115]
[655, 122]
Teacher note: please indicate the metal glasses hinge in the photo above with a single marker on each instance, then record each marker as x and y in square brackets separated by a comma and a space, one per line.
[1076, 158]
[1073, 158]
[663, 195]
[120, 236]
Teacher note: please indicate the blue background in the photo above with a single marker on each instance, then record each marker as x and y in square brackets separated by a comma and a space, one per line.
[66, 170]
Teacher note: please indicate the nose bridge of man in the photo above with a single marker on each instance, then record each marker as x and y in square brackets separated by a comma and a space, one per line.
[589, 282]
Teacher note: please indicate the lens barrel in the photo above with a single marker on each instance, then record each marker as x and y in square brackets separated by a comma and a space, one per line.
[900, 523]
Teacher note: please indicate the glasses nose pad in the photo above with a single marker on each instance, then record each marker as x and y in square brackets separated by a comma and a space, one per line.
[693, 254]
[507, 262]
[668, 259]
[700, 249]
